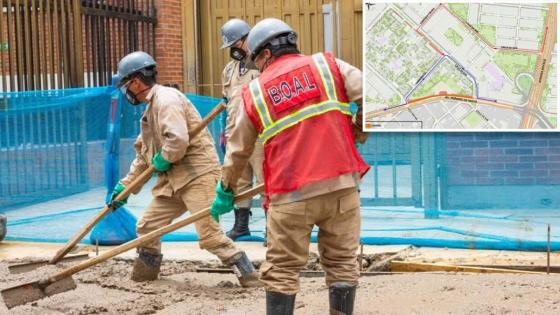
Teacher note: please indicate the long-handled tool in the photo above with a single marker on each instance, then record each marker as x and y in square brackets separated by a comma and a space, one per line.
[30, 266]
[144, 177]
[62, 281]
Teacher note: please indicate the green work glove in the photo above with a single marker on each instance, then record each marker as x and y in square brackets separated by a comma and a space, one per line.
[160, 163]
[223, 203]
[119, 188]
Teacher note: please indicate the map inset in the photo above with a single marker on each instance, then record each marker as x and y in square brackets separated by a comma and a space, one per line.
[460, 66]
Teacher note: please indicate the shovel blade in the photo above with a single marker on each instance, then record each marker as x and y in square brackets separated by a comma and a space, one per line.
[33, 291]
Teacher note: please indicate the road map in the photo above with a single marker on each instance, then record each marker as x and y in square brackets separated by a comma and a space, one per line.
[460, 66]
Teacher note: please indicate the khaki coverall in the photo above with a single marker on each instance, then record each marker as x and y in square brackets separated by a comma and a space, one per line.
[333, 205]
[233, 79]
[191, 182]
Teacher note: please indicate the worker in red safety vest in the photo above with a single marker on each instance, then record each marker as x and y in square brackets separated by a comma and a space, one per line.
[299, 108]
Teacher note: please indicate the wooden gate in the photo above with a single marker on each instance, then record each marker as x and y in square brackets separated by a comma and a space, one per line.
[53, 44]
[317, 22]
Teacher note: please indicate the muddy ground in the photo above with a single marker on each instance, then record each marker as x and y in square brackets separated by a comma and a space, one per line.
[106, 289]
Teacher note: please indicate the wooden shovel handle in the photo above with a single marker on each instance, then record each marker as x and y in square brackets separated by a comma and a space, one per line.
[207, 119]
[138, 182]
[145, 238]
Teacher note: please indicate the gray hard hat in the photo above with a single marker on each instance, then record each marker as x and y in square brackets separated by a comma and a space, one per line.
[271, 30]
[234, 30]
[137, 61]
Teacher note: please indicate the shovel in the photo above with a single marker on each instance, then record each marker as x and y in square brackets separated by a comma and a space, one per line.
[144, 177]
[62, 281]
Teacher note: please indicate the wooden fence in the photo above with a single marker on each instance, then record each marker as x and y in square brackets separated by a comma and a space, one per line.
[53, 44]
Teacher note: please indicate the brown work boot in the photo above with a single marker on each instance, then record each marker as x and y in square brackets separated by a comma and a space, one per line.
[147, 265]
[244, 270]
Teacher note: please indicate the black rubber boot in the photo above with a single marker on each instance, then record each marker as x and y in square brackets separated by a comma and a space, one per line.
[3, 226]
[265, 242]
[279, 304]
[146, 266]
[244, 270]
[241, 225]
[341, 298]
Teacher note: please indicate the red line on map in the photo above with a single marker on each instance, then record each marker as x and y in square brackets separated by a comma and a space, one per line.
[544, 39]
[440, 95]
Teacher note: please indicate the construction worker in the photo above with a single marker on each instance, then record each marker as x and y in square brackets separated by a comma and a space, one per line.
[299, 107]
[187, 169]
[235, 75]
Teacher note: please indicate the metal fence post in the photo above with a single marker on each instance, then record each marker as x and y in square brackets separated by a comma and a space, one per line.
[430, 176]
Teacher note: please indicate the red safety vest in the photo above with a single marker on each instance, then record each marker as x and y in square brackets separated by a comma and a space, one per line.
[300, 109]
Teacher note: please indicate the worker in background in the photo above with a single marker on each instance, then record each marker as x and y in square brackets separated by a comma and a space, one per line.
[235, 75]
[187, 169]
[299, 107]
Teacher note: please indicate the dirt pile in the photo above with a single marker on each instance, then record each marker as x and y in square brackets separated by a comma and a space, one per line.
[106, 289]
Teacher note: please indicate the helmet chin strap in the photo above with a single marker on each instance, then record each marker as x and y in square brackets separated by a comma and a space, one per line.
[133, 98]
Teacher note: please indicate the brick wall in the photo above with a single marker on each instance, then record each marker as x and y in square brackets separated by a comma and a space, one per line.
[169, 47]
[503, 158]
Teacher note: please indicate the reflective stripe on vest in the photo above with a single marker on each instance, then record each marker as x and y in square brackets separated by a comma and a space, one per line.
[326, 75]
[258, 100]
[299, 116]
[272, 128]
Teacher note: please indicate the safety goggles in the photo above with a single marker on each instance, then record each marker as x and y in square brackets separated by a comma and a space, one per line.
[124, 87]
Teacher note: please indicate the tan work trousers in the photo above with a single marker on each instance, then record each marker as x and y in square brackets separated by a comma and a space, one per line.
[195, 196]
[337, 214]
[254, 169]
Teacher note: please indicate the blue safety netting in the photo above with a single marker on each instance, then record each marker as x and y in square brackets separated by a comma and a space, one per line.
[61, 151]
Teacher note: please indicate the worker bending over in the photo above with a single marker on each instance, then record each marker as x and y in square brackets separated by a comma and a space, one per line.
[187, 169]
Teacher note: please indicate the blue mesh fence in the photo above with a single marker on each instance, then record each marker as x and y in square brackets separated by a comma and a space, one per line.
[60, 150]
[44, 140]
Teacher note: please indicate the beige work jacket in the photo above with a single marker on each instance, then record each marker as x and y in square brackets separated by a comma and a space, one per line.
[165, 125]
[233, 79]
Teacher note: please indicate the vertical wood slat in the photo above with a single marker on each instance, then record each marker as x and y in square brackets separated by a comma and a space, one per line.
[119, 36]
[87, 65]
[34, 45]
[27, 49]
[42, 40]
[94, 44]
[65, 47]
[109, 46]
[56, 47]
[102, 51]
[19, 49]
[112, 44]
[69, 46]
[50, 44]
[100, 47]
[2, 63]
[144, 26]
[78, 42]
[11, 43]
